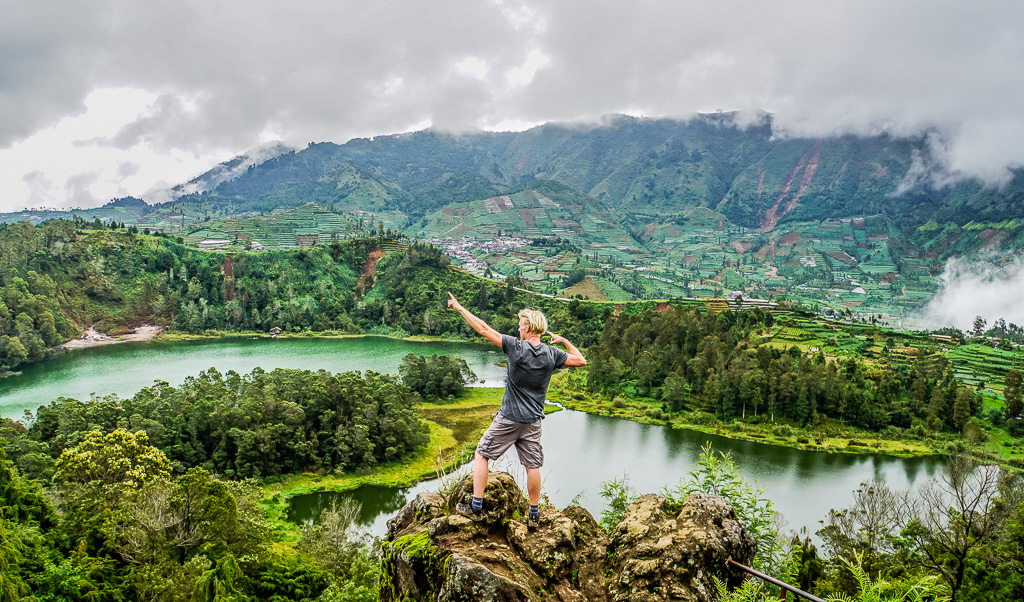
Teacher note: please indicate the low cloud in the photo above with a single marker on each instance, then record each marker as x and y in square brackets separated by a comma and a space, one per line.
[990, 289]
[223, 75]
[223, 172]
[41, 191]
[127, 170]
[77, 189]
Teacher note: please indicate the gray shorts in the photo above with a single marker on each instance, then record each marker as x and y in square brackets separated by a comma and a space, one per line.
[504, 433]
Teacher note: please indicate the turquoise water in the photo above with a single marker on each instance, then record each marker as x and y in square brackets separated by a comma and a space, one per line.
[123, 369]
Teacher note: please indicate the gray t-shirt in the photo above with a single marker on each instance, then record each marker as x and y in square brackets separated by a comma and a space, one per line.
[529, 372]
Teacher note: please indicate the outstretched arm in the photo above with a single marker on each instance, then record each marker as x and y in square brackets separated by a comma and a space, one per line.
[576, 358]
[476, 323]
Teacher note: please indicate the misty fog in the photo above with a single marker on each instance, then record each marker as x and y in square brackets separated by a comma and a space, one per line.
[991, 289]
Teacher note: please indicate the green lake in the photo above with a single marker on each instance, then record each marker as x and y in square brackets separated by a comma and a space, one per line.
[581, 451]
[125, 368]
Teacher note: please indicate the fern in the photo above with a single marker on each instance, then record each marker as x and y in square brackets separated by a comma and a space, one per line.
[928, 588]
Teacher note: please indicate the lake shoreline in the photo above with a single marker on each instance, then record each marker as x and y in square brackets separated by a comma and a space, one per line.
[846, 441]
[259, 334]
[93, 338]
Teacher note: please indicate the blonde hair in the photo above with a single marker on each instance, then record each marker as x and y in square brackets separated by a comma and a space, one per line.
[535, 320]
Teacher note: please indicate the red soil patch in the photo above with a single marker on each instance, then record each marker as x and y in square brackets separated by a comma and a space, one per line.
[810, 167]
[519, 165]
[790, 239]
[527, 216]
[843, 257]
[369, 270]
[765, 251]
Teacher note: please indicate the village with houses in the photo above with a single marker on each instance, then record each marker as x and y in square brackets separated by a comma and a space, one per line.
[856, 267]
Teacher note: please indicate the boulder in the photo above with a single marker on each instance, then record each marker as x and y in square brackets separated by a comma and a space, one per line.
[657, 553]
[665, 553]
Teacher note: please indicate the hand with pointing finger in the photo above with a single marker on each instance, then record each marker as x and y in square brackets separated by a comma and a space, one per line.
[453, 303]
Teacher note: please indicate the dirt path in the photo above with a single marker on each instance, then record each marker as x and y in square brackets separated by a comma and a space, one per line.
[93, 338]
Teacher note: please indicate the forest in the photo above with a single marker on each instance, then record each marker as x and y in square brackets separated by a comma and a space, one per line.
[157, 496]
[712, 363]
[60, 277]
[160, 496]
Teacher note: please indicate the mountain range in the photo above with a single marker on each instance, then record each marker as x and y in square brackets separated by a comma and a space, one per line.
[632, 167]
[651, 167]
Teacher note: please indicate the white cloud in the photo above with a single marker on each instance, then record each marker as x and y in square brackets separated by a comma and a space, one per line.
[991, 290]
[474, 67]
[524, 74]
[79, 161]
[177, 87]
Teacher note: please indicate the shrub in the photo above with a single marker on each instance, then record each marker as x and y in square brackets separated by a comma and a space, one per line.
[782, 431]
[718, 474]
[619, 496]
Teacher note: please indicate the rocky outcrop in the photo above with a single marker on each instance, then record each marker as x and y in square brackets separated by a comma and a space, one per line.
[658, 552]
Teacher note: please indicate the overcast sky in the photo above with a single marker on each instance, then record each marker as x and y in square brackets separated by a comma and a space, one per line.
[106, 98]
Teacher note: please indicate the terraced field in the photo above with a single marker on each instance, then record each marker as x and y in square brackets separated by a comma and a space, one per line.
[301, 226]
[983, 366]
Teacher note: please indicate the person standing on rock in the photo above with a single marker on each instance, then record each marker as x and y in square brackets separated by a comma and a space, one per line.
[518, 422]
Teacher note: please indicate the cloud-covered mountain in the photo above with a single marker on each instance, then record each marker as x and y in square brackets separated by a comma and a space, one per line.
[659, 167]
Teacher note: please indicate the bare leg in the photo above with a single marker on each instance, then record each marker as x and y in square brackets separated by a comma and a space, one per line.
[533, 485]
[479, 475]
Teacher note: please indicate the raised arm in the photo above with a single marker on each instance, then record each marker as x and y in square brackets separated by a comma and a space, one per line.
[576, 358]
[476, 323]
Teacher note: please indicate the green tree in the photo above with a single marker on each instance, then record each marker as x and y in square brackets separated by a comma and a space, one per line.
[24, 515]
[956, 516]
[979, 326]
[218, 583]
[962, 409]
[436, 377]
[115, 460]
[1012, 392]
[338, 547]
